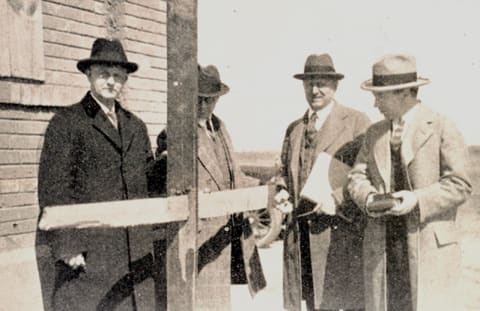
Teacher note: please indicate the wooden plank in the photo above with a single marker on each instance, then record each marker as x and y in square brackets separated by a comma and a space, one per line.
[19, 156]
[145, 12]
[153, 117]
[67, 38]
[76, 79]
[138, 83]
[22, 127]
[72, 13]
[18, 185]
[148, 95]
[159, 5]
[18, 213]
[18, 227]
[18, 171]
[5, 69]
[145, 36]
[148, 49]
[25, 113]
[20, 141]
[18, 241]
[86, 5]
[18, 199]
[59, 50]
[62, 24]
[182, 149]
[140, 105]
[128, 213]
[25, 33]
[149, 72]
[145, 25]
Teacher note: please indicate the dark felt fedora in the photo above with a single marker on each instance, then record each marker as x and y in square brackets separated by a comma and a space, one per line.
[107, 52]
[319, 66]
[209, 83]
[394, 72]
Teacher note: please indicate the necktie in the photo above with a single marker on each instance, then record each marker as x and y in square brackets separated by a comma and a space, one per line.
[112, 116]
[397, 131]
[311, 130]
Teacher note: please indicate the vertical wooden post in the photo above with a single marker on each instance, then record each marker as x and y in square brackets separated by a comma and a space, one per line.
[182, 159]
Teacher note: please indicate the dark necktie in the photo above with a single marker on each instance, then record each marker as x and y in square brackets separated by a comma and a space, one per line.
[397, 131]
[311, 130]
[113, 118]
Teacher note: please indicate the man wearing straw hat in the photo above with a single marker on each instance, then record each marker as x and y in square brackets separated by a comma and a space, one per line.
[94, 151]
[322, 246]
[409, 178]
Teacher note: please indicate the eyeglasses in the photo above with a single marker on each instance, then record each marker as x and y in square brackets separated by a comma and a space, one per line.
[207, 100]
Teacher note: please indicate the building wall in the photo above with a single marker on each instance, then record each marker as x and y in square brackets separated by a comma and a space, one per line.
[27, 103]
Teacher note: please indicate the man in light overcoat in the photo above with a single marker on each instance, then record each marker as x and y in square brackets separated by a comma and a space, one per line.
[417, 156]
[322, 248]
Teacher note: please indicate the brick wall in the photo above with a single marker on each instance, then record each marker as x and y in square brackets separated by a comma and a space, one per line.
[69, 28]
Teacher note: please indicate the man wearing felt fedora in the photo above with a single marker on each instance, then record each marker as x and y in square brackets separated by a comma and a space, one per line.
[95, 150]
[411, 252]
[322, 246]
[227, 251]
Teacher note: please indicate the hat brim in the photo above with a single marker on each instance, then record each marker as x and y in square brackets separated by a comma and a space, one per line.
[224, 89]
[83, 64]
[368, 85]
[313, 75]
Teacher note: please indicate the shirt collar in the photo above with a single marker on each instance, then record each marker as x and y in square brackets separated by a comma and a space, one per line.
[322, 112]
[102, 105]
[410, 114]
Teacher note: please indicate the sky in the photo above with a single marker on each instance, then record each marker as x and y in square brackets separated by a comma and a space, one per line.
[258, 45]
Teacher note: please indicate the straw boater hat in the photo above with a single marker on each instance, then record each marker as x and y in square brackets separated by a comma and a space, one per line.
[209, 83]
[107, 52]
[319, 66]
[394, 72]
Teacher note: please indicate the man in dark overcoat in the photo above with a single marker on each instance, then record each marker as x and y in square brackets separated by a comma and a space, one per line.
[418, 156]
[94, 151]
[322, 247]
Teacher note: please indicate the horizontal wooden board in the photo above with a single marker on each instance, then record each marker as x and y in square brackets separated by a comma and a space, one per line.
[18, 227]
[72, 13]
[18, 185]
[140, 106]
[140, 24]
[18, 241]
[22, 127]
[145, 36]
[12, 141]
[18, 213]
[18, 171]
[62, 24]
[148, 49]
[19, 156]
[159, 5]
[67, 38]
[16, 112]
[86, 5]
[152, 211]
[147, 95]
[77, 79]
[144, 12]
[139, 83]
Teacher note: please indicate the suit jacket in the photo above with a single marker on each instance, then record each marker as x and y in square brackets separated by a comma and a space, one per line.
[334, 243]
[85, 159]
[435, 158]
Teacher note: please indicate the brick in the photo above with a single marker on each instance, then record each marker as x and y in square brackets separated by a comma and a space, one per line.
[20, 141]
[18, 185]
[18, 171]
[18, 199]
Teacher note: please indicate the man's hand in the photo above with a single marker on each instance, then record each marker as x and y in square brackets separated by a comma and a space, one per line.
[75, 262]
[408, 201]
[282, 202]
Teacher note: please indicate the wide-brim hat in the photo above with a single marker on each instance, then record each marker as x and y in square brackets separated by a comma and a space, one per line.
[319, 66]
[209, 83]
[394, 72]
[107, 52]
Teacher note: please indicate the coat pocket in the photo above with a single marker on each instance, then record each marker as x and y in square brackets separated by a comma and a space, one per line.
[445, 233]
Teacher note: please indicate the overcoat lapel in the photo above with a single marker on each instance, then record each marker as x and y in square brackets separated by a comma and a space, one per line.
[416, 134]
[125, 128]
[100, 121]
[296, 142]
[333, 126]
[207, 158]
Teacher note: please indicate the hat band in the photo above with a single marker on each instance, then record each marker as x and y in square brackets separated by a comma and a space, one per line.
[387, 80]
[315, 69]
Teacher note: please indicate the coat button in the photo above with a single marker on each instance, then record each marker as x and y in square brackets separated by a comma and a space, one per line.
[226, 228]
